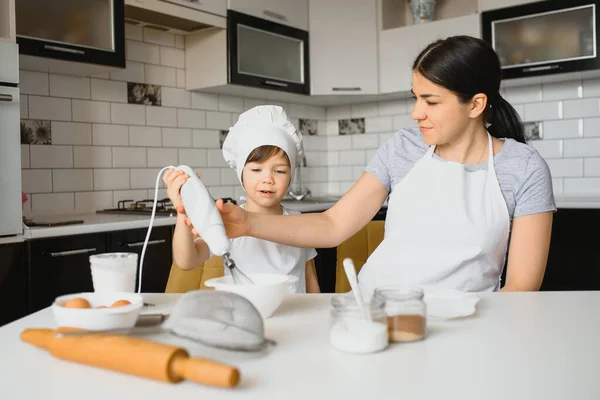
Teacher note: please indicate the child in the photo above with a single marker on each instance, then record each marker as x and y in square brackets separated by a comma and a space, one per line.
[264, 148]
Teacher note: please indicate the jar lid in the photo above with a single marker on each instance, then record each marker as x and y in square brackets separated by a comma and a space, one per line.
[399, 293]
[347, 301]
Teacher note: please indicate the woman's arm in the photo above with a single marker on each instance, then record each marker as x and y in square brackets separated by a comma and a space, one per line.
[312, 284]
[319, 230]
[528, 252]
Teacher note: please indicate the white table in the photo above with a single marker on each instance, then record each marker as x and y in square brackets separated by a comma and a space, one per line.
[516, 346]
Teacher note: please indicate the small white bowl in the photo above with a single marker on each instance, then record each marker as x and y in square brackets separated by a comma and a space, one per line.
[98, 319]
[266, 294]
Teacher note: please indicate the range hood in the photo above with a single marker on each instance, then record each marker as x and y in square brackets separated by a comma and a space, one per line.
[174, 16]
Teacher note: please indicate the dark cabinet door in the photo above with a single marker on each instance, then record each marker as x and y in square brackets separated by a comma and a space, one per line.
[157, 259]
[60, 266]
[13, 283]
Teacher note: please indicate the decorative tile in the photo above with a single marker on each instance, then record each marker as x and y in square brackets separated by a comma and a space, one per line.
[351, 126]
[36, 131]
[532, 130]
[222, 136]
[308, 127]
[142, 93]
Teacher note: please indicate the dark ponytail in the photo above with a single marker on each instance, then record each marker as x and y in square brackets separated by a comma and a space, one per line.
[467, 66]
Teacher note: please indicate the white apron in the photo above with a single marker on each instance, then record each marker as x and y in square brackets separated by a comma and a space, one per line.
[445, 228]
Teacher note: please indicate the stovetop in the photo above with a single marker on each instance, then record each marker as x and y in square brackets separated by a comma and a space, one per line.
[164, 207]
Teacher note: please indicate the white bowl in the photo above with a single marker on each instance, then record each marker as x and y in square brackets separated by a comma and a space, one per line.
[95, 318]
[266, 294]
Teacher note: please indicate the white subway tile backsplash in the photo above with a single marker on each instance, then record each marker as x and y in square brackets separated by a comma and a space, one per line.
[133, 32]
[392, 107]
[142, 52]
[564, 129]
[145, 136]
[215, 158]
[582, 186]
[328, 128]
[591, 88]
[353, 157]
[592, 166]
[69, 86]
[120, 195]
[369, 154]
[25, 156]
[180, 78]
[162, 157]
[210, 176]
[92, 157]
[218, 120]
[315, 112]
[558, 186]
[36, 180]
[129, 157]
[106, 90]
[31, 82]
[333, 188]
[251, 103]
[333, 158]
[581, 147]
[357, 172]
[130, 114]
[345, 186]
[111, 179]
[172, 97]
[72, 180]
[403, 121]
[110, 135]
[159, 37]
[297, 110]
[161, 116]
[364, 110]
[208, 139]
[91, 111]
[581, 108]
[523, 94]
[520, 109]
[591, 127]
[548, 148]
[566, 167]
[384, 137]
[92, 201]
[339, 112]
[193, 157]
[562, 90]
[174, 137]
[231, 104]
[171, 57]
[229, 177]
[158, 75]
[338, 143]
[314, 174]
[205, 101]
[133, 72]
[543, 111]
[24, 106]
[50, 108]
[179, 41]
[316, 158]
[378, 124]
[143, 178]
[314, 143]
[162, 193]
[43, 156]
[191, 118]
[339, 173]
[52, 203]
[219, 192]
[74, 133]
[239, 192]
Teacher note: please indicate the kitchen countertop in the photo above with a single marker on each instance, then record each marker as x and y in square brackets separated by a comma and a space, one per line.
[516, 346]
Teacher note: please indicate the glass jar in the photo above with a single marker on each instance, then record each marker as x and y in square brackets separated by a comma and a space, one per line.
[353, 332]
[406, 312]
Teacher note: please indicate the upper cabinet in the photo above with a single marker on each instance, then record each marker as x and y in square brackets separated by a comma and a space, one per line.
[486, 5]
[343, 47]
[287, 12]
[400, 40]
[7, 21]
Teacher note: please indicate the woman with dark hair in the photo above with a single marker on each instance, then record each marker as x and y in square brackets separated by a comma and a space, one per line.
[459, 187]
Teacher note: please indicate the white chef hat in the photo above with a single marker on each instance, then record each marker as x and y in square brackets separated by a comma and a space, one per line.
[262, 126]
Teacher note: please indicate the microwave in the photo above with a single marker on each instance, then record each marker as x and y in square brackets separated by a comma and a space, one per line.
[267, 55]
[543, 38]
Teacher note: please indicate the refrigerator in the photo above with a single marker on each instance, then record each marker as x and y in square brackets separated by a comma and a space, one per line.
[11, 211]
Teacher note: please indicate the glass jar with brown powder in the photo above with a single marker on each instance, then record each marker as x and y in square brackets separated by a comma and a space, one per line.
[406, 312]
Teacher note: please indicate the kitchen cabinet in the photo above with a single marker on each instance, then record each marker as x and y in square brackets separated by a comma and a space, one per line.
[343, 47]
[13, 283]
[399, 47]
[485, 5]
[7, 21]
[158, 257]
[60, 266]
[286, 12]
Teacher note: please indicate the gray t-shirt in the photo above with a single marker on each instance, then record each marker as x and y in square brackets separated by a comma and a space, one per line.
[523, 175]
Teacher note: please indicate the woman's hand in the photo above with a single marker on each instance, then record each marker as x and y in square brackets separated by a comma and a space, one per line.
[235, 219]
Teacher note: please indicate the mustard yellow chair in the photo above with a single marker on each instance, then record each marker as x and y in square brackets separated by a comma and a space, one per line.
[358, 247]
[181, 281]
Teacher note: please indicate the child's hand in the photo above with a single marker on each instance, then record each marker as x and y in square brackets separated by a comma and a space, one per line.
[174, 179]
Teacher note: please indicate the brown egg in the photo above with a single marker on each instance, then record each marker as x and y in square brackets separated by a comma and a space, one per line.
[77, 302]
[120, 303]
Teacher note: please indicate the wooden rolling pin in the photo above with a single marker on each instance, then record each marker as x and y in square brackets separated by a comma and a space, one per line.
[134, 356]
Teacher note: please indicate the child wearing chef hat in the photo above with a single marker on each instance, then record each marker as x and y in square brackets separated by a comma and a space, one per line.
[264, 148]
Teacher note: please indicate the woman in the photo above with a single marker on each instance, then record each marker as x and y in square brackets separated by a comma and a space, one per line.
[456, 189]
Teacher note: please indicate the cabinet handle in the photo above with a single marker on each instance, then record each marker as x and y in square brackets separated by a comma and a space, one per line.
[346, 89]
[72, 252]
[273, 83]
[6, 97]
[269, 13]
[140, 244]
[64, 49]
